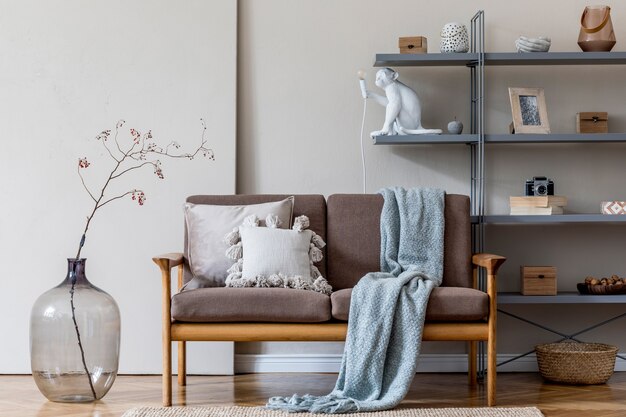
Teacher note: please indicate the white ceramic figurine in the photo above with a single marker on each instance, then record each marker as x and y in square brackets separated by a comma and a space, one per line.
[403, 109]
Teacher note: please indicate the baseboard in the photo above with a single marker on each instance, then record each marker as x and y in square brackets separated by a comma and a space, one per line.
[313, 363]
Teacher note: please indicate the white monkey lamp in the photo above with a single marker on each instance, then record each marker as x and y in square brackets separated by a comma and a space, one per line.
[403, 115]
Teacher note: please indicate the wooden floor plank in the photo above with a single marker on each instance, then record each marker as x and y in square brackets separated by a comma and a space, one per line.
[19, 395]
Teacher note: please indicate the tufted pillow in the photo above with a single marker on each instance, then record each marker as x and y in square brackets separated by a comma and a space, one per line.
[206, 226]
[272, 257]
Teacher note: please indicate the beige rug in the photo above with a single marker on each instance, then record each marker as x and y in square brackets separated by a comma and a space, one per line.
[262, 412]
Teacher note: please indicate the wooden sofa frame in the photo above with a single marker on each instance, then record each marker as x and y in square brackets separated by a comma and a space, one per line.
[471, 332]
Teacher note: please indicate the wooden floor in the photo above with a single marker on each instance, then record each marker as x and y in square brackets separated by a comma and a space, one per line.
[19, 396]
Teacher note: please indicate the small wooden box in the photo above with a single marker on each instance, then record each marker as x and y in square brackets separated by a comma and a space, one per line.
[413, 45]
[538, 280]
[592, 122]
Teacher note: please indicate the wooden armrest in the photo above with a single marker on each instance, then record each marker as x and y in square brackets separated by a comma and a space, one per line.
[489, 261]
[168, 260]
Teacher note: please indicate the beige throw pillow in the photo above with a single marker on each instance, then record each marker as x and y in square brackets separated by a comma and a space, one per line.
[206, 226]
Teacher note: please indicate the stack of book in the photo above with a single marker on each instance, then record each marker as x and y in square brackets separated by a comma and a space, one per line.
[537, 205]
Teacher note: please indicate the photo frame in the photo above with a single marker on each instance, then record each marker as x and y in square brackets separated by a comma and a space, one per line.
[528, 106]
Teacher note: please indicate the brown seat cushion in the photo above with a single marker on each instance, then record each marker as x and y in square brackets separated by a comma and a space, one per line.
[224, 304]
[445, 304]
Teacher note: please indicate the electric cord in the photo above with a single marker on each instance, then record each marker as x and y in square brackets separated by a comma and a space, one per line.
[363, 148]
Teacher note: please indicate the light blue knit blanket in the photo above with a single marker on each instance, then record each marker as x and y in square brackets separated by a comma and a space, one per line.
[387, 309]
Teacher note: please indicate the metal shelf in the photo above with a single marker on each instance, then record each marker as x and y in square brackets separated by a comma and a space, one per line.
[424, 139]
[425, 60]
[555, 58]
[504, 138]
[501, 59]
[557, 138]
[560, 298]
[553, 219]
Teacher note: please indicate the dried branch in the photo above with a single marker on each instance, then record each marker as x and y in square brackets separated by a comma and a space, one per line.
[121, 196]
[133, 168]
[85, 185]
[146, 149]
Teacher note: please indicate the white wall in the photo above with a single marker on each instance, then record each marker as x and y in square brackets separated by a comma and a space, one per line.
[300, 113]
[70, 69]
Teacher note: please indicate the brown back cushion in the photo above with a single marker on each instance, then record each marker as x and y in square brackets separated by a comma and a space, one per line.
[353, 233]
[313, 206]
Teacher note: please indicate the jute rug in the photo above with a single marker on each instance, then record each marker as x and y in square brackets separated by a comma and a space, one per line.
[262, 412]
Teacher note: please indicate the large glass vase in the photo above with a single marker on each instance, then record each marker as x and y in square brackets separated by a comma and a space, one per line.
[75, 339]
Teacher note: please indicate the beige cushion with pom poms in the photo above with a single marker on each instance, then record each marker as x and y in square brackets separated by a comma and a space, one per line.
[268, 257]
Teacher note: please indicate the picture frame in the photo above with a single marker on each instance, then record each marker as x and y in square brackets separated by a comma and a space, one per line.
[528, 107]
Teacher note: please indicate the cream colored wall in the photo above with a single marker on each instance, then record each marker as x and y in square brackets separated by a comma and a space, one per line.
[300, 112]
[70, 69]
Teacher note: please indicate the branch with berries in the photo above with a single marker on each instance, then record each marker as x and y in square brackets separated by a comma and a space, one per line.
[141, 151]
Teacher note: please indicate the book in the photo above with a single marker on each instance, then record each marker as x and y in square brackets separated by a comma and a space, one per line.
[536, 210]
[538, 201]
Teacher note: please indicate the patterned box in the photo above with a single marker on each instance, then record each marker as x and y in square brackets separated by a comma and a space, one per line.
[614, 207]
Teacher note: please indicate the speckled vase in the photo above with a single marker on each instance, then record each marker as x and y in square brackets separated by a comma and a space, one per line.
[454, 38]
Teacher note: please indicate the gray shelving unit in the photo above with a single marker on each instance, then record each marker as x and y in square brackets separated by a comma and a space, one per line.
[476, 60]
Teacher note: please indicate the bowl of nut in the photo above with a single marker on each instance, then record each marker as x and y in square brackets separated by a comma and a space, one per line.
[603, 286]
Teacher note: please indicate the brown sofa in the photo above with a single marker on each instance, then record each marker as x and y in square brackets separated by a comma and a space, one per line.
[350, 225]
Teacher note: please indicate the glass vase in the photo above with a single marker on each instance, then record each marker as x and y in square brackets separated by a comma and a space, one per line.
[74, 357]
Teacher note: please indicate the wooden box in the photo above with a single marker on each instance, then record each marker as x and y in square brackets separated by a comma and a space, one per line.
[538, 280]
[413, 45]
[592, 122]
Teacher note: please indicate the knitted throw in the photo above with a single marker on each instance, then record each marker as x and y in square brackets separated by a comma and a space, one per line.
[387, 309]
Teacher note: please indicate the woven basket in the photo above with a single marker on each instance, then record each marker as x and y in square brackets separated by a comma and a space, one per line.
[576, 363]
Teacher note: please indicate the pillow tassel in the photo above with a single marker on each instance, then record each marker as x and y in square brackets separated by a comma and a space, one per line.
[251, 221]
[237, 267]
[262, 281]
[273, 221]
[235, 252]
[321, 285]
[315, 254]
[233, 237]
[315, 273]
[300, 223]
[234, 280]
[318, 241]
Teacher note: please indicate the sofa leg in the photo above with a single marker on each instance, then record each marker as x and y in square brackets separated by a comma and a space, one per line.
[491, 370]
[182, 363]
[167, 373]
[471, 363]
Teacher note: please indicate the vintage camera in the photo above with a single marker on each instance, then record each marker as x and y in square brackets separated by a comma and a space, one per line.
[539, 186]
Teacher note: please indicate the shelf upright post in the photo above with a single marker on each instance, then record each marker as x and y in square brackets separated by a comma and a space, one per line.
[477, 165]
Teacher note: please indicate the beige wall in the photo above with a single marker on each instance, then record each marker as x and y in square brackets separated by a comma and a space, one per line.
[69, 70]
[300, 112]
